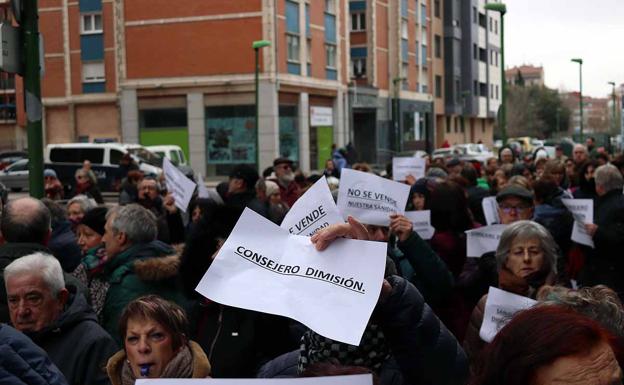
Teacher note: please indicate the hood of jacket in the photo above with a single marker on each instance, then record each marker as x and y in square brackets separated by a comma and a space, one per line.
[77, 310]
[201, 365]
[151, 261]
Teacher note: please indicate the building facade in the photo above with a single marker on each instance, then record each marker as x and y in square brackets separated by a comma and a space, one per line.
[472, 60]
[525, 74]
[386, 76]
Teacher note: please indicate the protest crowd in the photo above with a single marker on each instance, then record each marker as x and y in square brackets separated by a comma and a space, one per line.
[502, 272]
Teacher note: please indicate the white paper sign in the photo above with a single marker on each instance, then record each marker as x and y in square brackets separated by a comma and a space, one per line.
[483, 240]
[313, 211]
[321, 116]
[421, 220]
[404, 166]
[264, 268]
[178, 184]
[583, 212]
[490, 210]
[358, 379]
[500, 308]
[369, 198]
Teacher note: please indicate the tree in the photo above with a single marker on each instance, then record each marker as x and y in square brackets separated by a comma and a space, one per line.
[532, 111]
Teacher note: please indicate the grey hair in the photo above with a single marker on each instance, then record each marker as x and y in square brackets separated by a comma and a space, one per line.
[137, 222]
[599, 303]
[524, 230]
[260, 184]
[609, 177]
[83, 201]
[42, 264]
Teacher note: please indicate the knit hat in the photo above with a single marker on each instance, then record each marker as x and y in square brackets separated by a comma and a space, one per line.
[48, 172]
[271, 188]
[95, 219]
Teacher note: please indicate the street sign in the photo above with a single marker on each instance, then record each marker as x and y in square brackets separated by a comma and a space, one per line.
[10, 60]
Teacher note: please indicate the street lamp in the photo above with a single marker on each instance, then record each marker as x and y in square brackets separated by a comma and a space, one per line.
[396, 116]
[613, 102]
[502, 9]
[580, 62]
[256, 46]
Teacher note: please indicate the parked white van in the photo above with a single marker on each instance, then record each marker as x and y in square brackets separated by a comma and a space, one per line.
[104, 157]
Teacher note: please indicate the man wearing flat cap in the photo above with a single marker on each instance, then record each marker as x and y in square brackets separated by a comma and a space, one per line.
[285, 179]
[515, 203]
[240, 187]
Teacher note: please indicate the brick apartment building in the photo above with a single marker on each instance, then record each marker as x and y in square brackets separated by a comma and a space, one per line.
[385, 75]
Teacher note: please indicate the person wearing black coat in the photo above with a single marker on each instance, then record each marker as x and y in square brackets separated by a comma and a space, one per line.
[604, 264]
[61, 323]
[404, 344]
[24, 363]
[76, 343]
[237, 341]
[63, 241]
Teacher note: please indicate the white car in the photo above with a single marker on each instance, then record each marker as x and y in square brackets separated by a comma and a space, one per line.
[171, 152]
[471, 151]
[15, 176]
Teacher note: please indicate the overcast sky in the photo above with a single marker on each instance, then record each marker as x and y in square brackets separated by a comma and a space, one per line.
[551, 32]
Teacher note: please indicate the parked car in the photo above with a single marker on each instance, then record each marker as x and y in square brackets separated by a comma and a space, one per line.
[15, 177]
[171, 152]
[10, 157]
[444, 153]
[472, 152]
[104, 157]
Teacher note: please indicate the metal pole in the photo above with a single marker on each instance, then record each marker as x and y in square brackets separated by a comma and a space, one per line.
[257, 109]
[613, 102]
[581, 96]
[503, 111]
[32, 95]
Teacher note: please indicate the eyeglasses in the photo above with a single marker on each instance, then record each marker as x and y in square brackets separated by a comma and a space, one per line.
[285, 166]
[517, 209]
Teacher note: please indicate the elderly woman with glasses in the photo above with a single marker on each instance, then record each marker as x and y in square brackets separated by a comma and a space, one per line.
[526, 260]
[85, 185]
[154, 333]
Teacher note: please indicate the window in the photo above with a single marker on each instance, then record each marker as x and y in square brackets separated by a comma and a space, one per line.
[482, 20]
[456, 124]
[448, 124]
[423, 15]
[359, 67]
[492, 57]
[404, 72]
[436, 8]
[475, 52]
[423, 58]
[496, 92]
[474, 15]
[491, 90]
[115, 156]
[358, 21]
[93, 72]
[330, 51]
[483, 89]
[309, 51]
[424, 89]
[497, 58]
[475, 87]
[404, 30]
[437, 46]
[330, 6]
[483, 55]
[496, 26]
[491, 24]
[438, 86]
[91, 23]
[292, 41]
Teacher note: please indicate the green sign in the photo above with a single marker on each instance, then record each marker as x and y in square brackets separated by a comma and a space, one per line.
[324, 141]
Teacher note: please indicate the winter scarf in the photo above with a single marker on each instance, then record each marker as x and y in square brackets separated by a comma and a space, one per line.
[181, 366]
[372, 352]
